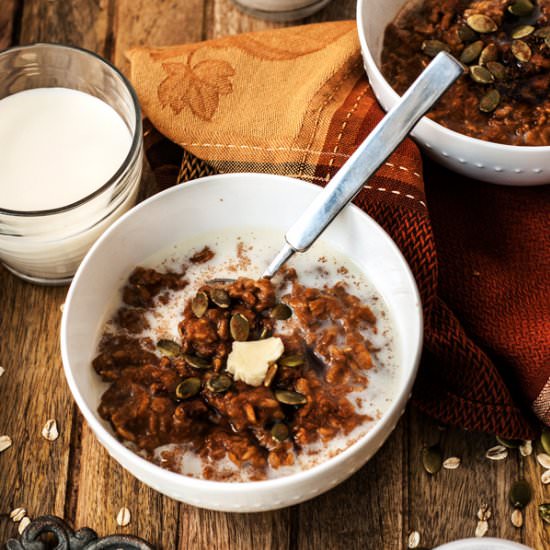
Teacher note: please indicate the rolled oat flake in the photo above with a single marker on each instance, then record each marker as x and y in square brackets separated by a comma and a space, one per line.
[18, 514]
[481, 528]
[414, 539]
[23, 524]
[5, 442]
[123, 517]
[544, 460]
[517, 518]
[498, 452]
[50, 431]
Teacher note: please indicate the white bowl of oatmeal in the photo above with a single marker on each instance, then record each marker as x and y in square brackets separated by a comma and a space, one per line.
[158, 352]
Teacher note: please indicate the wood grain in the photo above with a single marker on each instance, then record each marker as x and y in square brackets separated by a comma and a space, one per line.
[74, 477]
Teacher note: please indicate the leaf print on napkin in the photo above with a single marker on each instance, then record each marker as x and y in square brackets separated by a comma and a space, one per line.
[198, 86]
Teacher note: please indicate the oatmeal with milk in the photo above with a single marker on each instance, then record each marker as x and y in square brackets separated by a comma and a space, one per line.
[219, 374]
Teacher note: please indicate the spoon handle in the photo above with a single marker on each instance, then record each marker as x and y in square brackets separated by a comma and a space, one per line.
[377, 147]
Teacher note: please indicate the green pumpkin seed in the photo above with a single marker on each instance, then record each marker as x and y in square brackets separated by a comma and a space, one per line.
[239, 327]
[510, 443]
[520, 494]
[481, 23]
[281, 312]
[543, 32]
[522, 31]
[219, 383]
[169, 348]
[544, 512]
[220, 297]
[279, 432]
[489, 53]
[433, 47]
[288, 397]
[199, 305]
[521, 51]
[294, 360]
[270, 374]
[188, 388]
[432, 459]
[481, 75]
[498, 70]
[466, 34]
[196, 362]
[545, 441]
[471, 52]
[521, 8]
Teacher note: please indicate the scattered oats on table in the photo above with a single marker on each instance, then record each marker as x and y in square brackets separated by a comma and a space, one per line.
[123, 517]
[481, 528]
[5, 442]
[50, 431]
[2, 371]
[517, 518]
[545, 477]
[484, 512]
[414, 539]
[526, 448]
[23, 524]
[498, 452]
[17, 514]
[544, 460]
[452, 463]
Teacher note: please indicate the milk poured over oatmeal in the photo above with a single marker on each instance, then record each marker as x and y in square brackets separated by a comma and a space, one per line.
[239, 254]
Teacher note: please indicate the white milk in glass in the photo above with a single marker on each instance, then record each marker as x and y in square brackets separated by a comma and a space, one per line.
[57, 147]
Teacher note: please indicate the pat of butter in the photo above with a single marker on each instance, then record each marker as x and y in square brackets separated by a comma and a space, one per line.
[249, 361]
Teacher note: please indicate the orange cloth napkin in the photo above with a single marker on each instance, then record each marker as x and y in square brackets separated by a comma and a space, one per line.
[296, 102]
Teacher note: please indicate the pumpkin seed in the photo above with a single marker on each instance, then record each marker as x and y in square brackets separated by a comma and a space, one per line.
[451, 463]
[520, 494]
[481, 528]
[270, 374]
[18, 514]
[521, 51]
[220, 297]
[239, 327]
[279, 432]
[169, 347]
[521, 8]
[294, 360]
[481, 23]
[188, 388]
[545, 441]
[498, 452]
[526, 448]
[199, 305]
[123, 517]
[265, 333]
[544, 512]
[545, 477]
[466, 34]
[481, 74]
[517, 518]
[432, 459]
[23, 524]
[543, 32]
[522, 31]
[489, 53]
[510, 443]
[484, 513]
[471, 51]
[433, 47]
[219, 383]
[281, 312]
[50, 431]
[5, 442]
[544, 460]
[414, 539]
[196, 362]
[288, 397]
[498, 70]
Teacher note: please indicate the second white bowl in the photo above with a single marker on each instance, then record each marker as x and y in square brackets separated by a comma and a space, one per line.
[475, 158]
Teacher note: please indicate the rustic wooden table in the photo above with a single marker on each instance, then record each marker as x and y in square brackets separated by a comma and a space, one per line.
[75, 478]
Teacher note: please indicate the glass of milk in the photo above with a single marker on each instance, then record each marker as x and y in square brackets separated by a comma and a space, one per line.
[281, 10]
[71, 152]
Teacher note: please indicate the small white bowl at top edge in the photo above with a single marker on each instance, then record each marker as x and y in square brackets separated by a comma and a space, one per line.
[482, 544]
[209, 205]
[475, 158]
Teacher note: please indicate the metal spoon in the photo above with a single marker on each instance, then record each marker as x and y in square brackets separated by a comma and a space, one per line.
[380, 143]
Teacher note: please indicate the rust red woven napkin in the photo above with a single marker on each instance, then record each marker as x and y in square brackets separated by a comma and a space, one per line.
[296, 102]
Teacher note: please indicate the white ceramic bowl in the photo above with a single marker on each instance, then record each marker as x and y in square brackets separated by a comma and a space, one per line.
[485, 543]
[475, 158]
[214, 204]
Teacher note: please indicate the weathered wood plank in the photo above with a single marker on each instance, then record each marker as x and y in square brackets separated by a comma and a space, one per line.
[83, 23]
[8, 14]
[32, 390]
[160, 23]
